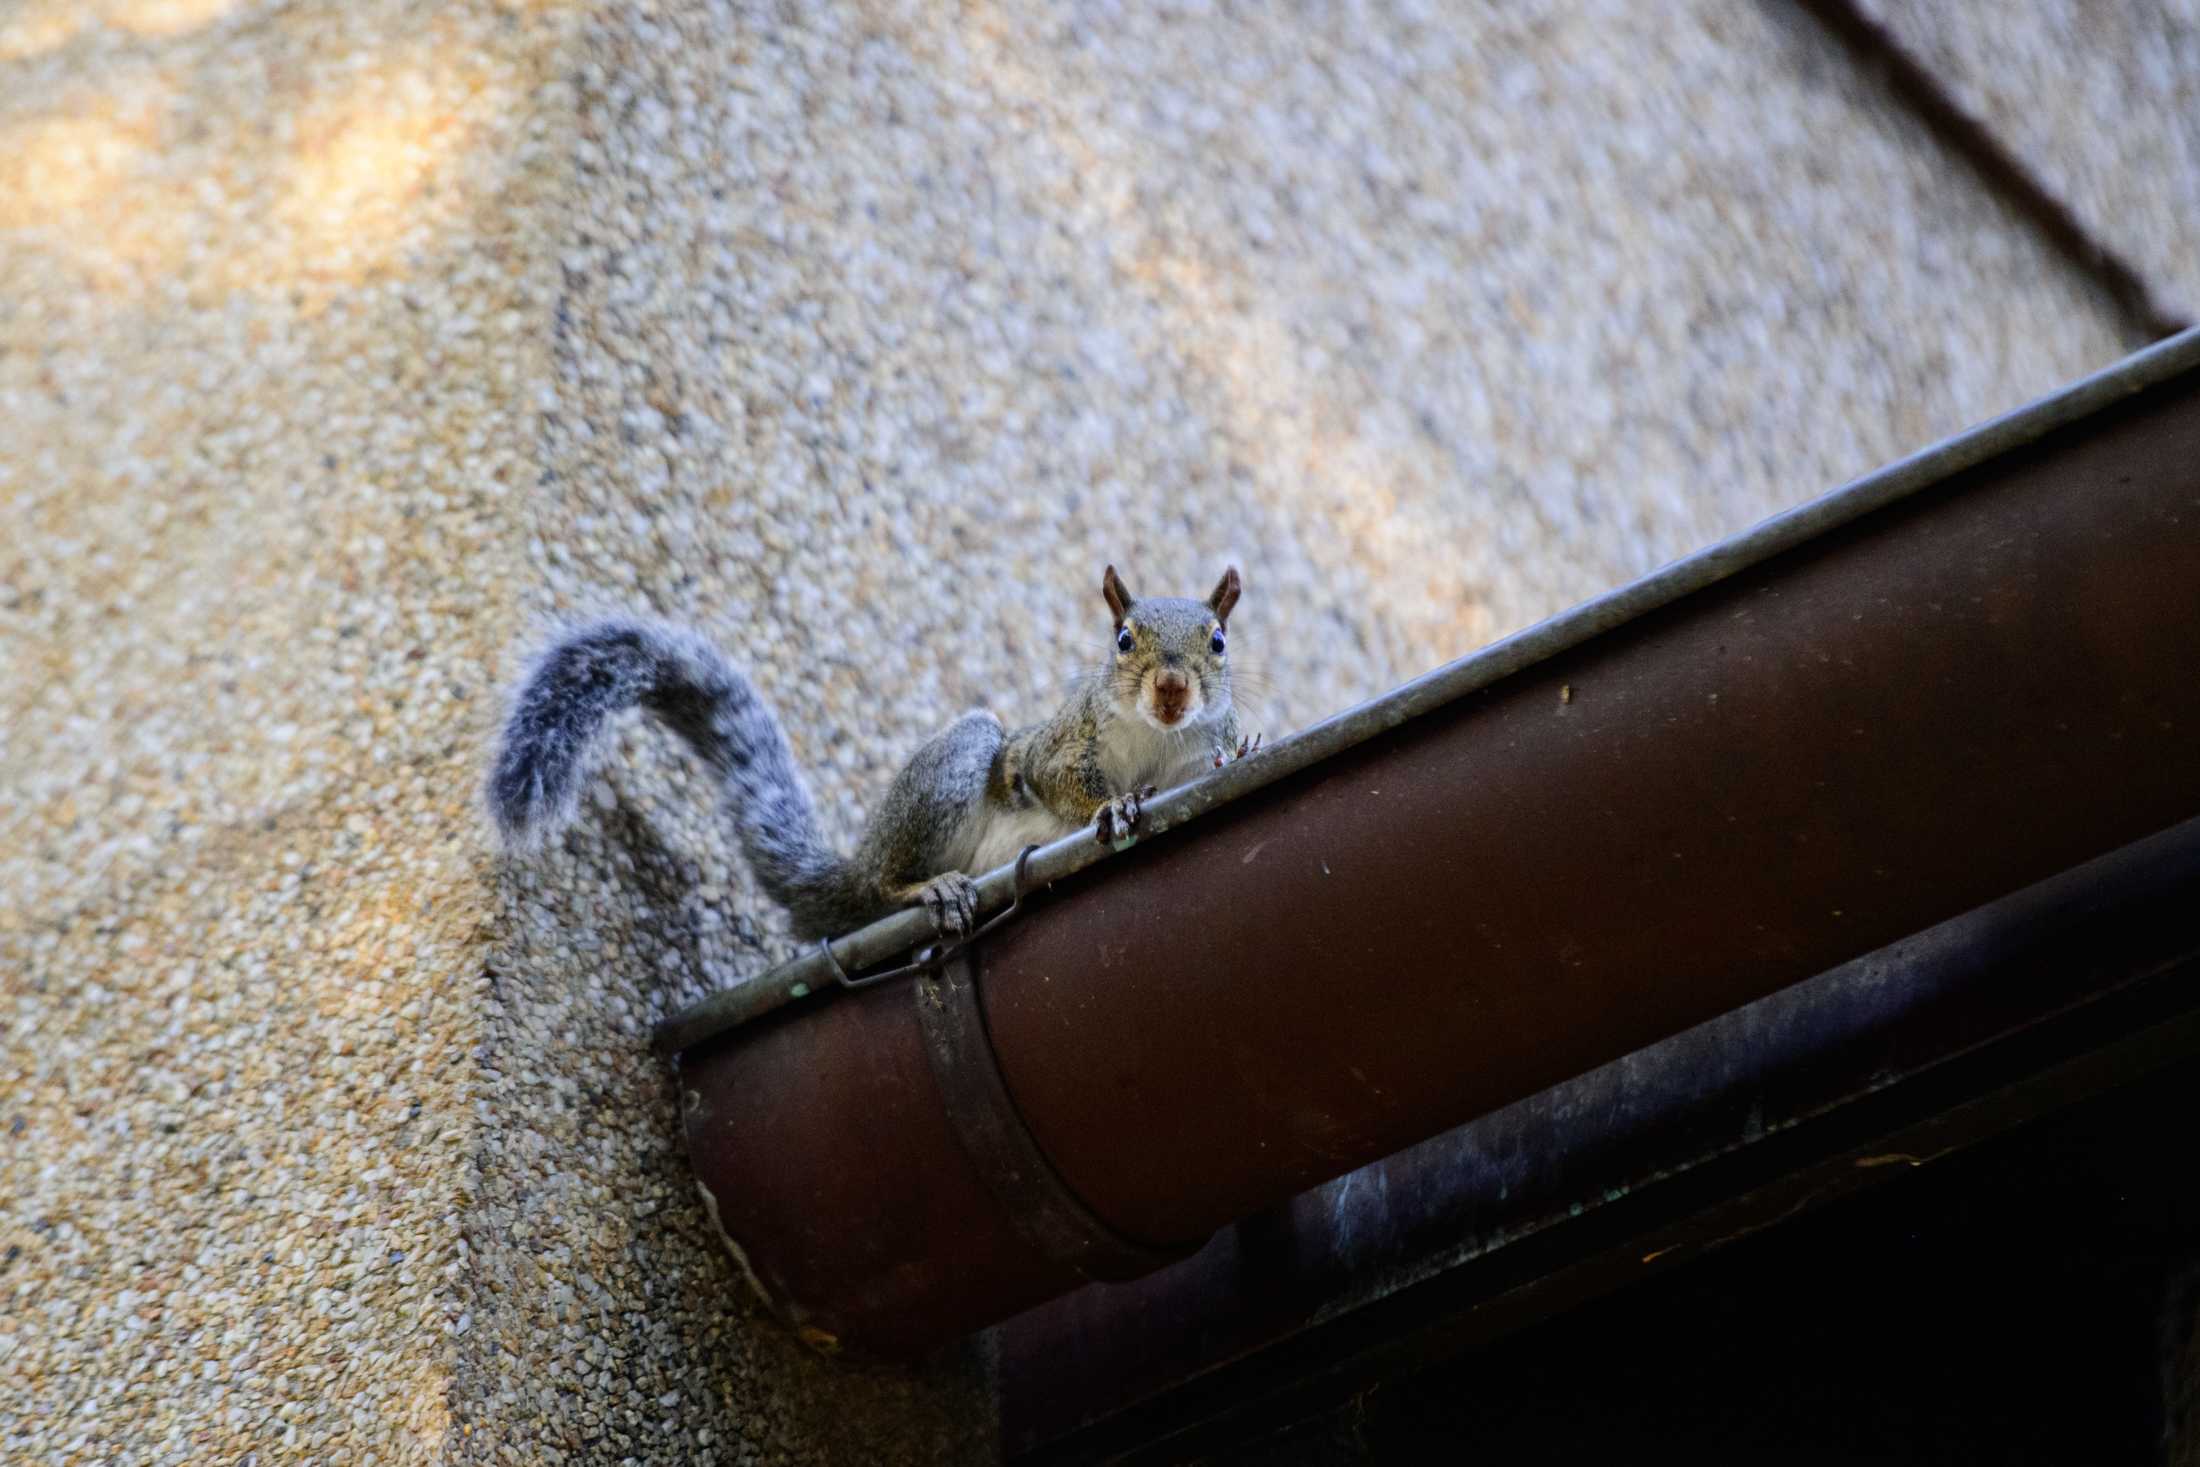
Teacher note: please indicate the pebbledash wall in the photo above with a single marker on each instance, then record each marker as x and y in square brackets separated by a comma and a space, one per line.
[343, 345]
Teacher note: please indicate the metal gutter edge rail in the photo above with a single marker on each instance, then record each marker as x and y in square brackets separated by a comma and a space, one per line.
[1912, 695]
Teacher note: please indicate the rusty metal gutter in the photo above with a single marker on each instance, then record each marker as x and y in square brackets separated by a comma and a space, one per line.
[1853, 722]
[1857, 1078]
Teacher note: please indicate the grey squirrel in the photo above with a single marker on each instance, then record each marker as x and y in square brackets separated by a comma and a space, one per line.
[1157, 713]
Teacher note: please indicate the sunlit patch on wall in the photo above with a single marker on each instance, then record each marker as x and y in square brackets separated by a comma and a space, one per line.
[39, 26]
[55, 168]
[136, 185]
[36, 27]
[164, 17]
[370, 168]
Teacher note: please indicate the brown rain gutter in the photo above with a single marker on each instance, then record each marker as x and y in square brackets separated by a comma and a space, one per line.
[1934, 686]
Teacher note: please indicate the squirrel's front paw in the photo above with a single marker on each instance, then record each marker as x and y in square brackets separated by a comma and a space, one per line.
[952, 901]
[1118, 818]
[1245, 746]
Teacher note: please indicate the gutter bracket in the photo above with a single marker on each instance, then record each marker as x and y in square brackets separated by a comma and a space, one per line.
[931, 959]
[1038, 1203]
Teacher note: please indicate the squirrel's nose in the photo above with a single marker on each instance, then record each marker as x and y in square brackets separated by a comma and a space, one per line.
[1171, 691]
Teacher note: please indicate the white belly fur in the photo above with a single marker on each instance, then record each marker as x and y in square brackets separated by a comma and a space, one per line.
[1002, 834]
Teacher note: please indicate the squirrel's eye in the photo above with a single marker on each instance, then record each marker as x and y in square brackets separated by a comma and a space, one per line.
[1123, 639]
[1215, 642]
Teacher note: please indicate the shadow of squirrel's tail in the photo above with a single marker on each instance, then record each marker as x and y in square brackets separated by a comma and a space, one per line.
[571, 693]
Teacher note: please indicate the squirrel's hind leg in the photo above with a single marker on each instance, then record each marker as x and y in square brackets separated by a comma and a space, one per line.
[925, 831]
[951, 900]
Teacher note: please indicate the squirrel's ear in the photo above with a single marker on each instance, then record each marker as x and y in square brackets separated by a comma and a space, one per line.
[1118, 594]
[1225, 595]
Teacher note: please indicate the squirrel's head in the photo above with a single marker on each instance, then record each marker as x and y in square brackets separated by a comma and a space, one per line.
[1171, 654]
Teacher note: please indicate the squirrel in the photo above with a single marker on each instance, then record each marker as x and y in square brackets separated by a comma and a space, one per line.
[1155, 714]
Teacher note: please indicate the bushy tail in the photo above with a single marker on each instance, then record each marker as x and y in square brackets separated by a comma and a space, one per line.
[575, 688]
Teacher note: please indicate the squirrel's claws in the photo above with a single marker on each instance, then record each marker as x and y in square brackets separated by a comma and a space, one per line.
[951, 901]
[1119, 817]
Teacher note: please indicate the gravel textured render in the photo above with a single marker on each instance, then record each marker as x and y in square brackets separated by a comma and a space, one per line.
[2100, 99]
[346, 345]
